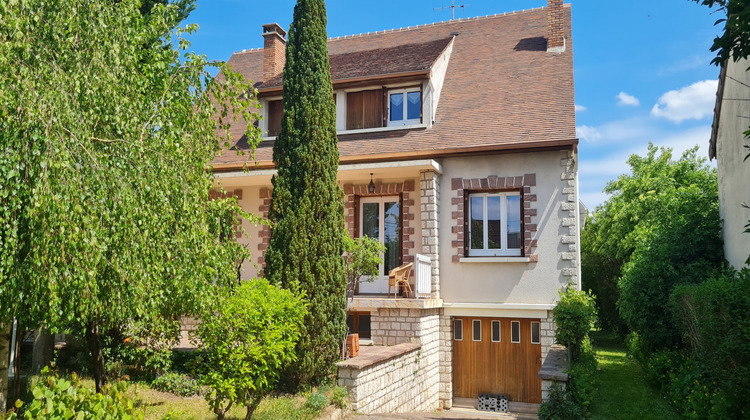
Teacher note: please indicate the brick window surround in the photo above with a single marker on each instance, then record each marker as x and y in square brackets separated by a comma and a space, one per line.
[461, 187]
[405, 191]
[351, 201]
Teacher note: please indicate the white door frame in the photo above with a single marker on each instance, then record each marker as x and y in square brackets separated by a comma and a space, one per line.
[379, 285]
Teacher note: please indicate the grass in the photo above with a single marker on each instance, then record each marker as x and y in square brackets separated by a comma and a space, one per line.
[622, 391]
[163, 405]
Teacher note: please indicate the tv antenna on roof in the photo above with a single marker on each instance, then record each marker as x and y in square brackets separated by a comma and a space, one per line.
[453, 7]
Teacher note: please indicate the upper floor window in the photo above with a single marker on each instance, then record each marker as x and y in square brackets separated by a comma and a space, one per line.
[275, 111]
[404, 106]
[494, 221]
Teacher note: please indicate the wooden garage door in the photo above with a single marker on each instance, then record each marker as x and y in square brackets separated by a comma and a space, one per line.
[484, 362]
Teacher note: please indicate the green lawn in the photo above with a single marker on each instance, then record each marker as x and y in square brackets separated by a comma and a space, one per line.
[622, 391]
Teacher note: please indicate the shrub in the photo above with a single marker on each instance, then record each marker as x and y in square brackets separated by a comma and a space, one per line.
[714, 318]
[340, 397]
[582, 383]
[246, 340]
[686, 386]
[56, 397]
[574, 316]
[559, 406]
[186, 361]
[316, 402]
[177, 384]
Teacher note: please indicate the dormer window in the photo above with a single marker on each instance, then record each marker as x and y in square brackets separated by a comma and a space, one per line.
[404, 106]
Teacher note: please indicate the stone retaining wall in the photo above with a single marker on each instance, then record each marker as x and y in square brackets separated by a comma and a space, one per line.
[396, 379]
[553, 370]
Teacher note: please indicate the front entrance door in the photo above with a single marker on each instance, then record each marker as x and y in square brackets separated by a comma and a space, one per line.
[380, 218]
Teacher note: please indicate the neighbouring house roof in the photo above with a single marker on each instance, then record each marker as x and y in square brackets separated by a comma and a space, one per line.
[502, 89]
[717, 112]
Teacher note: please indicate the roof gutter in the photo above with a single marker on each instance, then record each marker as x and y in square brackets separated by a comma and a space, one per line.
[539, 146]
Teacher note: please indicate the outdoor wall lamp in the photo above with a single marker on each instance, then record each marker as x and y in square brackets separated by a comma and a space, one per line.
[371, 185]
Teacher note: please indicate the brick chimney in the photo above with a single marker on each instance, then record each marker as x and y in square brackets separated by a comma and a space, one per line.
[274, 47]
[555, 31]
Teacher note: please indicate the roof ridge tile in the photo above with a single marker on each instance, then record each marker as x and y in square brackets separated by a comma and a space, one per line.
[443, 22]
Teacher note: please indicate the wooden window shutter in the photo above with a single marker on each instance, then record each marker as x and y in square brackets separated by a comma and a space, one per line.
[275, 112]
[384, 109]
[364, 109]
[354, 109]
[373, 109]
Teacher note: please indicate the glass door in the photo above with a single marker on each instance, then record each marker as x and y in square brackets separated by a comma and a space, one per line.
[380, 218]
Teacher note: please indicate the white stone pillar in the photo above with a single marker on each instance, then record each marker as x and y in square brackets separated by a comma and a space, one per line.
[429, 184]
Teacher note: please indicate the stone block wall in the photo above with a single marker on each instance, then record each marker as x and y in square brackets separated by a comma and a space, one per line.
[429, 185]
[446, 362]
[547, 334]
[569, 220]
[400, 384]
[553, 370]
[396, 327]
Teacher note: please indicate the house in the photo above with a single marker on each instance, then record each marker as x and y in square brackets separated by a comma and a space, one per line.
[457, 151]
[728, 145]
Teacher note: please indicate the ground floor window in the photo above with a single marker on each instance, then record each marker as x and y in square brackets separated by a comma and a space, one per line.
[359, 323]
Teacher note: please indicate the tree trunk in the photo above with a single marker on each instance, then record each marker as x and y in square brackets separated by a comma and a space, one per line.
[253, 405]
[20, 336]
[97, 357]
[4, 359]
[44, 350]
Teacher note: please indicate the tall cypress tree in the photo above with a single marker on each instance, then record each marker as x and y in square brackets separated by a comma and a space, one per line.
[307, 210]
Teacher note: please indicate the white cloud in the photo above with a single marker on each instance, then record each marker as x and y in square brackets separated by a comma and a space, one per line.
[691, 102]
[588, 134]
[580, 108]
[627, 100]
[617, 131]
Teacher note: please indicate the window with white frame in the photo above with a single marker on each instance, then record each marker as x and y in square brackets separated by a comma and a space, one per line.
[535, 333]
[476, 330]
[515, 331]
[496, 331]
[494, 221]
[458, 329]
[404, 106]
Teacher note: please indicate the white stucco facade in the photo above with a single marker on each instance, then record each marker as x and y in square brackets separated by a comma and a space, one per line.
[733, 170]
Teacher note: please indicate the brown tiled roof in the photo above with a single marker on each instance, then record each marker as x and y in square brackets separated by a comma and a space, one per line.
[379, 61]
[502, 90]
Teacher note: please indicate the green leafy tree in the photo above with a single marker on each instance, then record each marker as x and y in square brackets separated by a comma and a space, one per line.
[105, 219]
[246, 340]
[307, 210]
[734, 41]
[662, 220]
[599, 274]
[642, 206]
[362, 259]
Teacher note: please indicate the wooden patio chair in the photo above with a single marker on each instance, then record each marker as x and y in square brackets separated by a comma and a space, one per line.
[400, 276]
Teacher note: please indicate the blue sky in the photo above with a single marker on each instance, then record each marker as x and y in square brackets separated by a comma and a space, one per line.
[642, 69]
